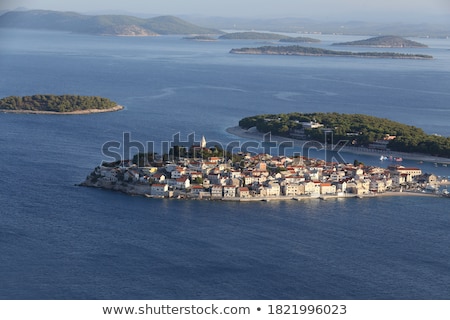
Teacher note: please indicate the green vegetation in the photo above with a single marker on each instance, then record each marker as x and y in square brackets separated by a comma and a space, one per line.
[385, 42]
[308, 51]
[360, 129]
[53, 103]
[264, 36]
[101, 24]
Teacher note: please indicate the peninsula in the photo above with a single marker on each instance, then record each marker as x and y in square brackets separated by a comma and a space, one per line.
[53, 104]
[318, 52]
[384, 42]
[204, 173]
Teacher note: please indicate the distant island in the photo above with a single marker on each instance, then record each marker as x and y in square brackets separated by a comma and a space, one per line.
[439, 28]
[384, 42]
[308, 51]
[265, 36]
[53, 104]
[200, 38]
[360, 130]
[116, 25]
[299, 40]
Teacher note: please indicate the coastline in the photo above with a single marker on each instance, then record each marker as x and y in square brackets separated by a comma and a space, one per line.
[144, 191]
[116, 108]
[256, 135]
[329, 197]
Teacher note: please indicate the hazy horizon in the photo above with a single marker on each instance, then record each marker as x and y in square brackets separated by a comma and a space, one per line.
[382, 10]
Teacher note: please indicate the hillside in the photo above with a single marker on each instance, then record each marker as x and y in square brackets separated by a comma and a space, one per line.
[101, 24]
[384, 42]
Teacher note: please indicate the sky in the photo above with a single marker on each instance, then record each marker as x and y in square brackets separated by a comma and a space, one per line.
[418, 10]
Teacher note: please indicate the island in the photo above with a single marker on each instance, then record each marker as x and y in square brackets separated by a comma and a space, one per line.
[299, 40]
[57, 104]
[200, 38]
[384, 42]
[202, 172]
[318, 52]
[265, 36]
[358, 130]
[111, 25]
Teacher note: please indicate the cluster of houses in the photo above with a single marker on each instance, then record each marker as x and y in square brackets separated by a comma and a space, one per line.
[262, 176]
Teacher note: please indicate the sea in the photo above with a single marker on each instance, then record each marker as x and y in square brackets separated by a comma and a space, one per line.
[62, 241]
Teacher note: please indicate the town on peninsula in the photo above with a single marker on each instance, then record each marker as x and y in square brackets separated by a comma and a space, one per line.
[209, 173]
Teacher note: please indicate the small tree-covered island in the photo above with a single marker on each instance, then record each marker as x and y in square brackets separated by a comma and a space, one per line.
[384, 42]
[57, 104]
[360, 130]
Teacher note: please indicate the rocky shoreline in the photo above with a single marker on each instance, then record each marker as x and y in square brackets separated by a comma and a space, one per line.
[130, 189]
[144, 191]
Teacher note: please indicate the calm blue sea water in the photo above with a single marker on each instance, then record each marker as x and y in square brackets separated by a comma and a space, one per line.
[59, 241]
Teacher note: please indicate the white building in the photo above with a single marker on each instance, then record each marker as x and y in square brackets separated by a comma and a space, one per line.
[311, 125]
[293, 189]
[243, 192]
[273, 189]
[183, 183]
[229, 191]
[327, 188]
[216, 191]
[158, 189]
